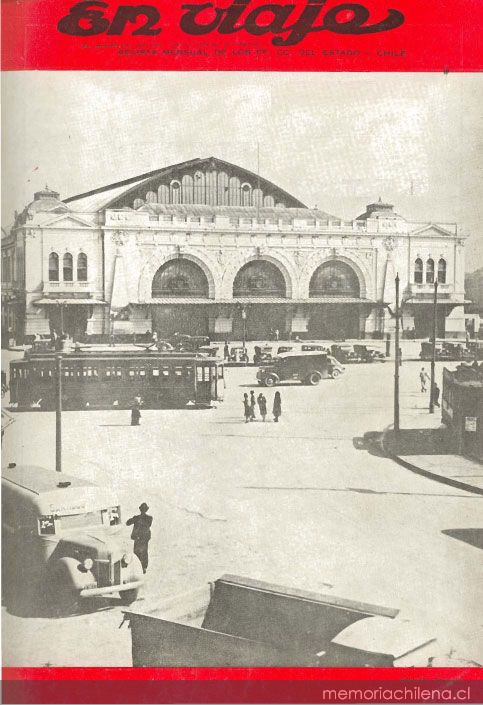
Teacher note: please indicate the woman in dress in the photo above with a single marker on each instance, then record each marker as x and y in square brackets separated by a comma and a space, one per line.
[277, 407]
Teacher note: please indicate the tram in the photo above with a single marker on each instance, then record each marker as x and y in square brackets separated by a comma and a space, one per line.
[110, 379]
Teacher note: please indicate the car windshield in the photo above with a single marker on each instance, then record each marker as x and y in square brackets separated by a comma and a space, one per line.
[78, 521]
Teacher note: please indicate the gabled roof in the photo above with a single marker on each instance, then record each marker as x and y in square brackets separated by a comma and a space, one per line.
[122, 193]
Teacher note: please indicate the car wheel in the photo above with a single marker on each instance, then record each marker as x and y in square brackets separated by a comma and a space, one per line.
[129, 596]
[335, 373]
[314, 378]
[270, 381]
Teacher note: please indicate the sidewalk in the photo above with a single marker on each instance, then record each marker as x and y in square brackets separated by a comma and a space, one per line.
[424, 447]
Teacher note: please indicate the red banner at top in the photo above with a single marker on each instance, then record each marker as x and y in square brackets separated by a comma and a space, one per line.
[243, 35]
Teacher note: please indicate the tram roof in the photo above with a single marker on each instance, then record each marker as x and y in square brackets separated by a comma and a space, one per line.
[109, 354]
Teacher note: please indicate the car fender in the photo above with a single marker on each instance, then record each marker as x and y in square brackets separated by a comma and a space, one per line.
[68, 572]
[134, 571]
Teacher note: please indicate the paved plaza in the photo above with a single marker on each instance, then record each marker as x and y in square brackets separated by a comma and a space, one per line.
[306, 503]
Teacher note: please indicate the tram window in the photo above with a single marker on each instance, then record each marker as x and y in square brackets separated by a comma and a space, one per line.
[131, 373]
[199, 374]
[178, 371]
[155, 372]
[142, 372]
[165, 371]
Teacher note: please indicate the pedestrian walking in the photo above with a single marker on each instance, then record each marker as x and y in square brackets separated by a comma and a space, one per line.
[277, 407]
[277, 334]
[141, 534]
[155, 337]
[424, 377]
[136, 412]
[436, 392]
[253, 403]
[262, 405]
[246, 408]
[400, 357]
[226, 351]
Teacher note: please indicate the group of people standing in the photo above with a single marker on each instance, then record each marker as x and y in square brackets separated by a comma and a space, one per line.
[250, 404]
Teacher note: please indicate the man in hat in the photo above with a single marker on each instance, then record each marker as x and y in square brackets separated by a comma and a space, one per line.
[141, 534]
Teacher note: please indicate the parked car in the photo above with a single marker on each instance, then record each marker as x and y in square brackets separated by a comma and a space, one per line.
[209, 350]
[305, 367]
[368, 354]
[263, 354]
[345, 353]
[238, 354]
[445, 350]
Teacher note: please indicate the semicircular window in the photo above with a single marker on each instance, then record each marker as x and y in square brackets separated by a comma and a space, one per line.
[259, 279]
[180, 277]
[334, 279]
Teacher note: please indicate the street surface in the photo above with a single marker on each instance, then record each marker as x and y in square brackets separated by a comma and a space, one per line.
[302, 503]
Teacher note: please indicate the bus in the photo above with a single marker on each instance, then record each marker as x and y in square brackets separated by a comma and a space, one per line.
[62, 539]
[110, 379]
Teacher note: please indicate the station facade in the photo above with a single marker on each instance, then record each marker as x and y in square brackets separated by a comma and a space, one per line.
[207, 247]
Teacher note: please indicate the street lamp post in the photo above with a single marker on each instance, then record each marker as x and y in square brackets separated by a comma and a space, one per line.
[244, 319]
[58, 414]
[433, 351]
[396, 362]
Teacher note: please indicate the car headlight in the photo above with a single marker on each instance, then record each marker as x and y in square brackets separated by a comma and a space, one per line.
[127, 558]
[88, 563]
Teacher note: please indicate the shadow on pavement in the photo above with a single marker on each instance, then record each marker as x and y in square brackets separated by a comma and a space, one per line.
[474, 537]
[419, 441]
[370, 442]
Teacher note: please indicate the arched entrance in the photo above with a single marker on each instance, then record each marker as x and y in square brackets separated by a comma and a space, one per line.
[338, 318]
[259, 279]
[180, 280]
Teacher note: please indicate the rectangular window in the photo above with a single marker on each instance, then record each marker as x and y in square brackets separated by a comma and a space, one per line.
[118, 372]
[142, 372]
[155, 372]
[178, 372]
[131, 373]
[166, 372]
[199, 373]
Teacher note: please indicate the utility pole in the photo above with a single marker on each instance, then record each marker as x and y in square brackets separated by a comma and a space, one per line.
[244, 319]
[396, 362]
[58, 414]
[433, 351]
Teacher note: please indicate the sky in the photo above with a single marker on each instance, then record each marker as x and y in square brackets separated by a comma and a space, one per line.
[335, 140]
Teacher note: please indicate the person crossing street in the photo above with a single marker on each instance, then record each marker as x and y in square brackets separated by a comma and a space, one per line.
[141, 534]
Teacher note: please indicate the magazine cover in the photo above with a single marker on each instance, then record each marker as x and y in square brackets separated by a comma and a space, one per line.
[242, 351]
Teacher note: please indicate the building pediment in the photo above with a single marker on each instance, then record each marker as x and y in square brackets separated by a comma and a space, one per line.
[68, 221]
[432, 230]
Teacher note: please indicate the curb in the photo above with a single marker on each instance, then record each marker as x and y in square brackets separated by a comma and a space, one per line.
[426, 473]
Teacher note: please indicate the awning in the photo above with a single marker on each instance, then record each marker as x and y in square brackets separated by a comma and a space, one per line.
[440, 302]
[69, 302]
[173, 300]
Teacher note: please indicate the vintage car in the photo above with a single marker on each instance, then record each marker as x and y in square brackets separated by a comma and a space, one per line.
[209, 350]
[305, 367]
[263, 353]
[368, 354]
[344, 353]
[445, 350]
[62, 540]
[238, 353]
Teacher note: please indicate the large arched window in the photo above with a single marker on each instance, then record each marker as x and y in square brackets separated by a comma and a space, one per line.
[68, 267]
[53, 267]
[418, 271]
[334, 278]
[180, 277]
[259, 278]
[81, 267]
[430, 271]
[442, 271]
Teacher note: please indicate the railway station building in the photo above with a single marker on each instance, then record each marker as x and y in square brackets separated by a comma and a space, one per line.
[208, 247]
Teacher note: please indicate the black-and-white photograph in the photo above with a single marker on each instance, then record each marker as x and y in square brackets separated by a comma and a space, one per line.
[242, 369]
